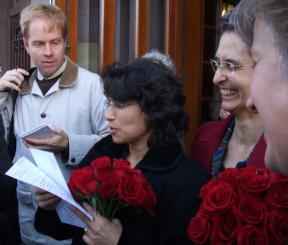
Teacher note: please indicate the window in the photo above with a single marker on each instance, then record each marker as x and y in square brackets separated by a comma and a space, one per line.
[157, 25]
[210, 100]
[19, 57]
[88, 34]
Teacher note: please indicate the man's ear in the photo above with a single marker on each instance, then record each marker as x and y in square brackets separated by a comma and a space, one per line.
[26, 44]
[66, 45]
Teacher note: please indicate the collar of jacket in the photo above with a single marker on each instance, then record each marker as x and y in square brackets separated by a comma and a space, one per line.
[158, 159]
[67, 80]
[161, 159]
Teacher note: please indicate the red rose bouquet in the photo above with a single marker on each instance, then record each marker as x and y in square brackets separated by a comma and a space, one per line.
[110, 184]
[242, 206]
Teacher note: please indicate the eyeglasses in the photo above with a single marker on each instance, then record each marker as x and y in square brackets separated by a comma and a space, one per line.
[227, 66]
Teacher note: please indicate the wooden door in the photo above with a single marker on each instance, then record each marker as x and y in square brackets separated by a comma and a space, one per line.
[70, 8]
[172, 26]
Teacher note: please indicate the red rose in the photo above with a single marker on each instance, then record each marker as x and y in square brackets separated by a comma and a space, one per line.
[223, 227]
[107, 187]
[218, 196]
[109, 173]
[254, 180]
[82, 182]
[215, 241]
[230, 175]
[251, 210]
[111, 177]
[206, 188]
[244, 206]
[111, 184]
[102, 167]
[102, 163]
[136, 191]
[277, 195]
[277, 222]
[253, 235]
[121, 163]
[198, 230]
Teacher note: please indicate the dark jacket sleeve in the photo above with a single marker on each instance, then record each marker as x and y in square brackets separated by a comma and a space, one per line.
[138, 228]
[48, 223]
[180, 201]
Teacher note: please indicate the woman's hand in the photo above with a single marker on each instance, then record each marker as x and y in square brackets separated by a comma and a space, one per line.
[100, 231]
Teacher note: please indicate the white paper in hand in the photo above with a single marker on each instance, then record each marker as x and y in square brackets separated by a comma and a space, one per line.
[41, 132]
[25, 171]
[67, 216]
[47, 162]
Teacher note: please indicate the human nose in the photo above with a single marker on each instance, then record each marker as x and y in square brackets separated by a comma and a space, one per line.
[48, 50]
[109, 114]
[219, 76]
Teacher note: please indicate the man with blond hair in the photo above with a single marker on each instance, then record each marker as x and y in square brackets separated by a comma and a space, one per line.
[57, 93]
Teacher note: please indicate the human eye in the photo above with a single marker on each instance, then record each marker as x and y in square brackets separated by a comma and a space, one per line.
[56, 42]
[120, 105]
[116, 104]
[37, 43]
[231, 66]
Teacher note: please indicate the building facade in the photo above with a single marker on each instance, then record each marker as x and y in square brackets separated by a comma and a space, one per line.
[104, 31]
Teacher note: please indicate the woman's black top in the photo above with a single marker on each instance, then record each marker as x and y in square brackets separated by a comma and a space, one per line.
[176, 182]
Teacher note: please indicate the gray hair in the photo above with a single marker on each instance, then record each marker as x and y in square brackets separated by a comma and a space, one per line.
[160, 57]
[242, 18]
[275, 15]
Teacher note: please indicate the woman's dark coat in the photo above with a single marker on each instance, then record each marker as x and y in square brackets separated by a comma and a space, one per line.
[176, 182]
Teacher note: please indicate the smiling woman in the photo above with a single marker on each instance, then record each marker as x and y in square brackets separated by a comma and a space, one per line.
[234, 68]
[236, 141]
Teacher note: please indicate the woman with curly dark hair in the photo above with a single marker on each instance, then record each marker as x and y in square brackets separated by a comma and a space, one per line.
[147, 121]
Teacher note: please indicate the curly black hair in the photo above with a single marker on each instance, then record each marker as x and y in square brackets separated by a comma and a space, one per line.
[158, 92]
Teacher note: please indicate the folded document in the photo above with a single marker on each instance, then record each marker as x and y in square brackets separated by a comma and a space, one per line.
[47, 175]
